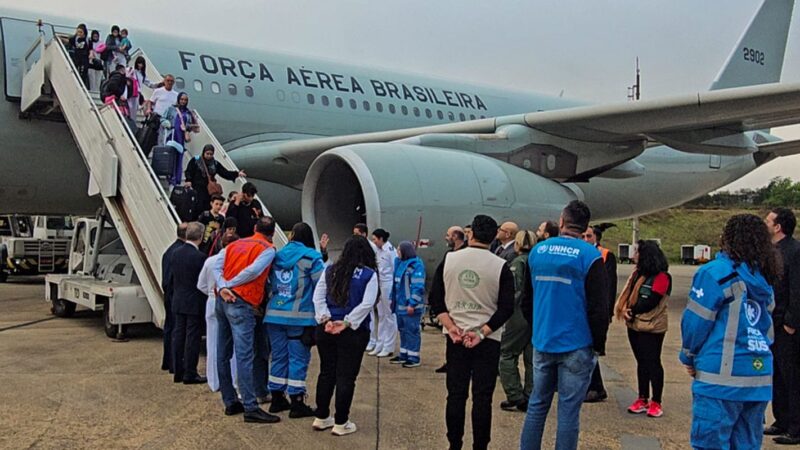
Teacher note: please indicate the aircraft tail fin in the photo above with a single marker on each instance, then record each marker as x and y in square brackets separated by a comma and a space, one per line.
[758, 57]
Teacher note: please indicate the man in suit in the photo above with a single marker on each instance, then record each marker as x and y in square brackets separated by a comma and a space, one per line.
[505, 241]
[166, 286]
[188, 305]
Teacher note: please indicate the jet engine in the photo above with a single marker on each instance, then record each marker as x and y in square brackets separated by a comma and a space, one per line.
[417, 192]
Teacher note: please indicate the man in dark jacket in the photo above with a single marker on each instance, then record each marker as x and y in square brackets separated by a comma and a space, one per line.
[188, 305]
[202, 169]
[166, 286]
[246, 210]
[781, 223]
[115, 85]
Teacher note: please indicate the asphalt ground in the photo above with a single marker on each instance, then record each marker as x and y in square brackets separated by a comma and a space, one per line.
[64, 384]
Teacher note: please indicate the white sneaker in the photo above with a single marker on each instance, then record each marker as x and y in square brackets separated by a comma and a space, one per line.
[384, 354]
[375, 351]
[370, 348]
[341, 430]
[322, 424]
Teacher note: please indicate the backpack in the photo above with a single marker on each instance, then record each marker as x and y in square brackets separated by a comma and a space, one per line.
[183, 199]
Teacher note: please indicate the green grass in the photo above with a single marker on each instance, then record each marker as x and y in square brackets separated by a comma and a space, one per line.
[675, 227]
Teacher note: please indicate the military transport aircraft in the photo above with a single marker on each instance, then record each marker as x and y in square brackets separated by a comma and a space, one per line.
[336, 144]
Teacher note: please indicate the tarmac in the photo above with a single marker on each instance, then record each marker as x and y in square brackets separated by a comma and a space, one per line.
[66, 385]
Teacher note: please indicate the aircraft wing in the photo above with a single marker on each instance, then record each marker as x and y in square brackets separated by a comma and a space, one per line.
[577, 143]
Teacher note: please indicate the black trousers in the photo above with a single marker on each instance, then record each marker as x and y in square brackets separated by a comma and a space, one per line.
[596, 384]
[169, 325]
[647, 351]
[339, 363]
[480, 366]
[786, 381]
[186, 339]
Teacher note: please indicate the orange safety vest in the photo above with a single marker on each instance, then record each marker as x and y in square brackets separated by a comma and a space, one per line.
[239, 255]
[604, 252]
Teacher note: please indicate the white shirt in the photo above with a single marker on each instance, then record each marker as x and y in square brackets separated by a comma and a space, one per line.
[162, 99]
[357, 315]
[385, 258]
[206, 282]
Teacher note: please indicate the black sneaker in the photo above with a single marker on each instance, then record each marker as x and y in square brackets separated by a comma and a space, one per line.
[236, 408]
[508, 405]
[787, 439]
[260, 416]
[442, 369]
[299, 409]
[595, 396]
[397, 360]
[279, 402]
[772, 430]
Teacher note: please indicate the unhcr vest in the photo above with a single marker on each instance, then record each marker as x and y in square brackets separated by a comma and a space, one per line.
[292, 279]
[471, 287]
[558, 270]
[358, 285]
[239, 255]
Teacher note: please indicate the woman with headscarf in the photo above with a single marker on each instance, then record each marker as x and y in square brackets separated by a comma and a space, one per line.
[408, 302]
[95, 61]
[182, 121]
[343, 298]
[289, 320]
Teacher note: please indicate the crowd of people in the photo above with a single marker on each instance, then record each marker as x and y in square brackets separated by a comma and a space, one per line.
[500, 293]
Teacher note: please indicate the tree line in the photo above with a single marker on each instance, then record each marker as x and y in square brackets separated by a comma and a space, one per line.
[781, 191]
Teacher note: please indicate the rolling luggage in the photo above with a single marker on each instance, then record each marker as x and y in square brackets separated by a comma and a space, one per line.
[183, 199]
[163, 161]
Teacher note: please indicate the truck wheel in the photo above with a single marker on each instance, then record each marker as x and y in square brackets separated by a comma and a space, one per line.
[113, 331]
[62, 308]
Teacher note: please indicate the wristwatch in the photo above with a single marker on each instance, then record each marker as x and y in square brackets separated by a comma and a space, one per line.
[479, 332]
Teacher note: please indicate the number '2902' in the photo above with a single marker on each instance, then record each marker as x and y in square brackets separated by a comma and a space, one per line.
[753, 55]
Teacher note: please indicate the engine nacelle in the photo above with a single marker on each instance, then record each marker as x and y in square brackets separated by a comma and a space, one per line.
[418, 192]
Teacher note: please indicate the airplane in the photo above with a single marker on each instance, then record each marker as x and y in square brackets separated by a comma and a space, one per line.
[335, 144]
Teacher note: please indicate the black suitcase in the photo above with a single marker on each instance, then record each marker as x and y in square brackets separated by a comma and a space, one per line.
[164, 158]
[147, 135]
[183, 199]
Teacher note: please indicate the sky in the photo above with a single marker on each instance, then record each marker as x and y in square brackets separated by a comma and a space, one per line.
[586, 49]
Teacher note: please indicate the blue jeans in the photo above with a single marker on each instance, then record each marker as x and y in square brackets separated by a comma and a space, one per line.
[726, 424]
[237, 329]
[570, 373]
[410, 340]
[290, 358]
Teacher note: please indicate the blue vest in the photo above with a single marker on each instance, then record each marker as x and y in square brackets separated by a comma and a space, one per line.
[358, 285]
[292, 279]
[558, 272]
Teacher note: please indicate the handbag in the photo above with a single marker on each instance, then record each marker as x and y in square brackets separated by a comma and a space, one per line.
[214, 188]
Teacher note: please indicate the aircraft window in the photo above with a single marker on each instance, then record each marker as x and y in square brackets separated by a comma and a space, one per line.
[428, 113]
[366, 105]
[311, 99]
[180, 83]
[416, 111]
[232, 89]
[392, 109]
[404, 110]
[198, 85]
[482, 116]
[215, 87]
[339, 102]
[353, 104]
[379, 106]
[248, 91]
[325, 101]
[295, 97]
[440, 114]
[451, 116]
[462, 117]
[280, 94]
[472, 116]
